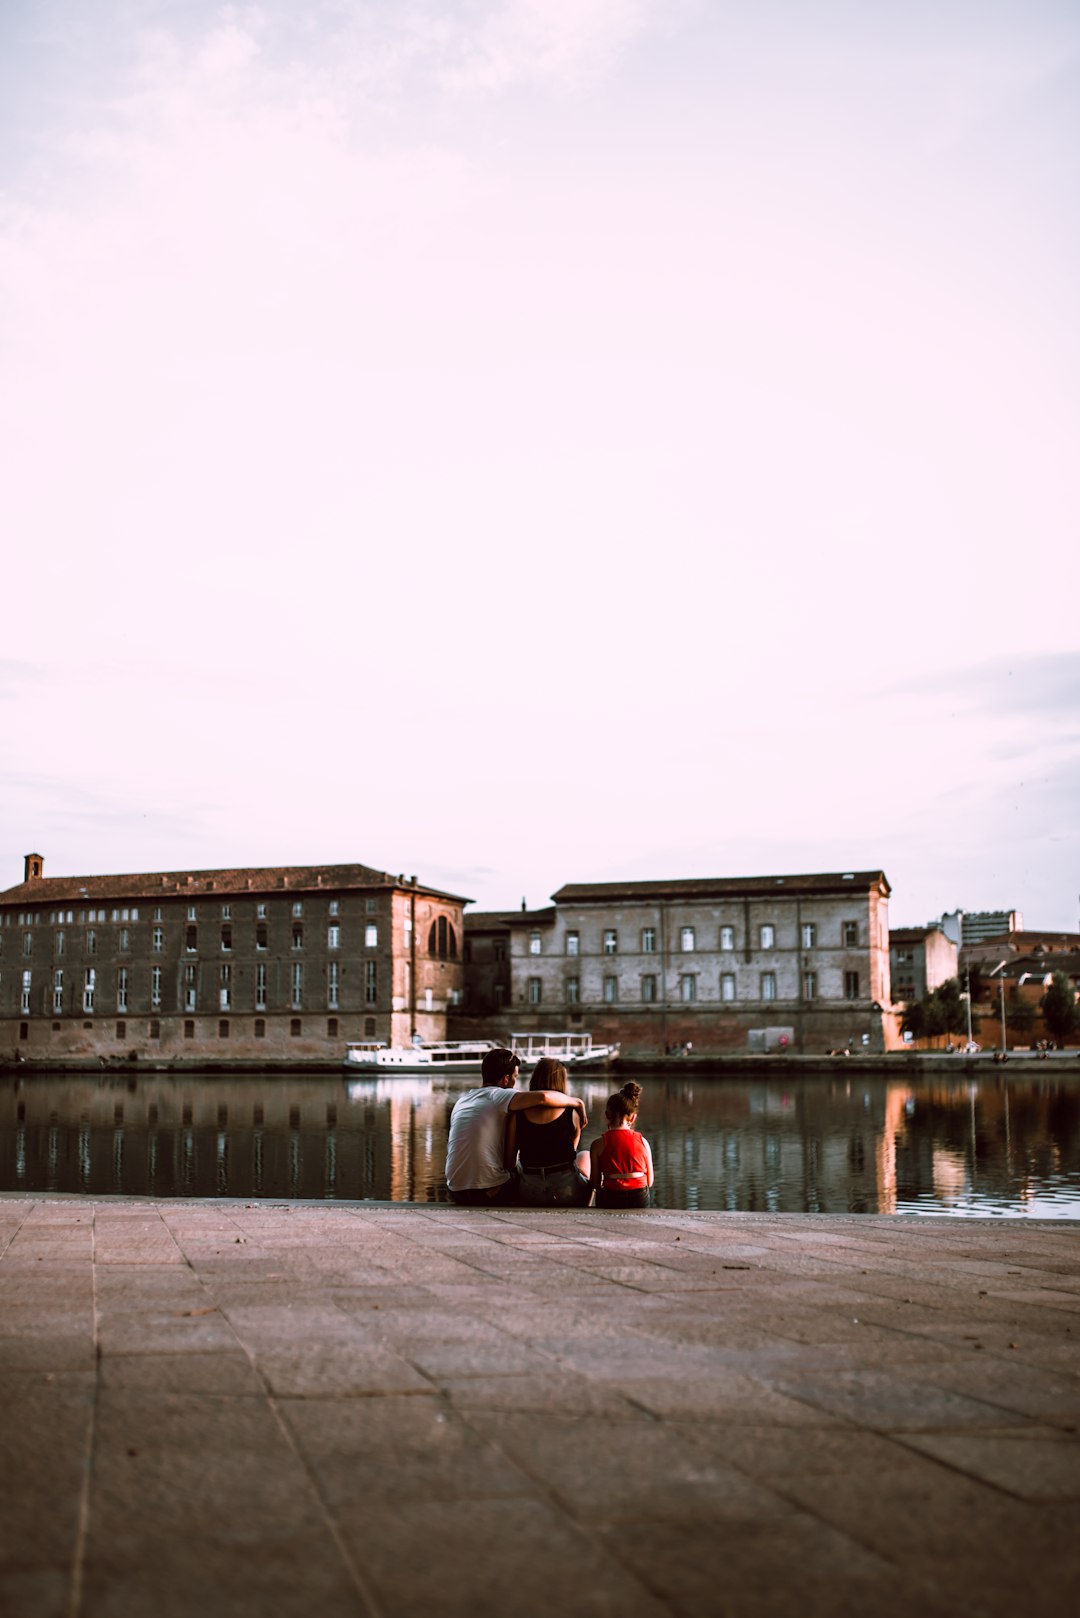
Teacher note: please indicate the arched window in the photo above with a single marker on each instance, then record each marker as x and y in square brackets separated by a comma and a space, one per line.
[442, 940]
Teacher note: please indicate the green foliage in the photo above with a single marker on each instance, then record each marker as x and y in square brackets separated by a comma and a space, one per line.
[941, 1012]
[1058, 1006]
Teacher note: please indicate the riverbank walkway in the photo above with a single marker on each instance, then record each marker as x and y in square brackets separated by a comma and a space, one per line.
[382, 1411]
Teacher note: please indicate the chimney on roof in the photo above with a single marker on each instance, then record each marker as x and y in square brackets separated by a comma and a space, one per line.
[524, 906]
[33, 867]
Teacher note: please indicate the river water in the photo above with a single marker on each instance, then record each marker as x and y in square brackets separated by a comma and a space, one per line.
[1004, 1144]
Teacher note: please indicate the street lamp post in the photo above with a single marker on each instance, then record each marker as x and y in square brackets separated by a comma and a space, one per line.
[1001, 985]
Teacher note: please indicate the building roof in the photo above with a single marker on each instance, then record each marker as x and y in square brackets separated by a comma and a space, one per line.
[733, 887]
[915, 935]
[45, 890]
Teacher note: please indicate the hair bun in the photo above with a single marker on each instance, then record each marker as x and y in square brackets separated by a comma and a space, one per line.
[631, 1091]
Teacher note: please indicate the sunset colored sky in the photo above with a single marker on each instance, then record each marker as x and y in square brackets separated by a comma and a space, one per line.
[537, 441]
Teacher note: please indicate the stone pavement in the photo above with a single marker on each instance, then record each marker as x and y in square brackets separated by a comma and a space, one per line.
[219, 1408]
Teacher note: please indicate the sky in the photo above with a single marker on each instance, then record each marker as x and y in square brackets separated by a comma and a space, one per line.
[521, 442]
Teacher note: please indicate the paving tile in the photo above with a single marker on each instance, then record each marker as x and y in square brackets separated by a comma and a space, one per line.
[1036, 1463]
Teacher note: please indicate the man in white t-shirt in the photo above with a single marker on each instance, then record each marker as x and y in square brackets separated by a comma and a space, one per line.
[477, 1170]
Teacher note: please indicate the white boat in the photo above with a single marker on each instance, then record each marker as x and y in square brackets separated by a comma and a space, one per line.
[572, 1050]
[423, 1056]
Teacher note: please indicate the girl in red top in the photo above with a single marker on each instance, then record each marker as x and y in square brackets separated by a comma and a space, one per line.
[622, 1166]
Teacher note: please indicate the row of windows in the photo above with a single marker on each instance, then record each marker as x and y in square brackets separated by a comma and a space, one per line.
[88, 988]
[224, 1028]
[157, 938]
[57, 918]
[688, 990]
[688, 938]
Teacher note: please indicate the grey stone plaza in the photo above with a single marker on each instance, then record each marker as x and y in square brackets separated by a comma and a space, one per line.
[220, 1408]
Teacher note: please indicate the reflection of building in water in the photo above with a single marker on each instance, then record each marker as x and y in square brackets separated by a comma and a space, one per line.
[281, 964]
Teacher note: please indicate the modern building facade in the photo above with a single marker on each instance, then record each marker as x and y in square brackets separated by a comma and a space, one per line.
[920, 960]
[287, 963]
[721, 964]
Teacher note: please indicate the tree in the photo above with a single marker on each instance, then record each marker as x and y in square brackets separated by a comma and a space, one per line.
[1058, 1006]
[913, 1019]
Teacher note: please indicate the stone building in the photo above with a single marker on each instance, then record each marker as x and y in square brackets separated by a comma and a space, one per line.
[726, 964]
[286, 963]
[920, 960]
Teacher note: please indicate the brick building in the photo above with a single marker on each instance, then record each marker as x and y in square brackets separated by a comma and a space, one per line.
[725, 963]
[287, 963]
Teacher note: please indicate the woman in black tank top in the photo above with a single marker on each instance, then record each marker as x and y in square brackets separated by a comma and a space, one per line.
[549, 1173]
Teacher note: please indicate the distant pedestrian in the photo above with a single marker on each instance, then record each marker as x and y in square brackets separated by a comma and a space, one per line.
[622, 1165]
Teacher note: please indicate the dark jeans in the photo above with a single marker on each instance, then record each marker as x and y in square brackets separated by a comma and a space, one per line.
[494, 1196]
[552, 1188]
[620, 1197]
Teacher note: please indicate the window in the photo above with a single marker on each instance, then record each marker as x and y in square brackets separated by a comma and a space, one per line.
[768, 936]
[223, 1028]
[333, 937]
[260, 986]
[335, 910]
[688, 987]
[125, 939]
[157, 913]
[332, 971]
[155, 987]
[157, 939]
[226, 912]
[191, 913]
[369, 1027]
[260, 912]
[611, 942]
[27, 981]
[648, 987]
[331, 1028]
[611, 990]
[648, 941]
[372, 908]
[122, 989]
[727, 987]
[225, 991]
[58, 991]
[262, 935]
[191, 983]
[59, 943]
[686, 939]
[28, 944]
[189, 1028]
[294, 1027]
[121, 1030]
[809, 934]
[535, 944]
[768, 985]
[573, 943]
[298, 935]
[371, 983]
[89, 985]
[809, 985]
[851, 934]
[155, 1028]
[498, 950]
[851, 985]
[573, 991]
[226, 937]
[442, 940]
[297, 985]
[91, 941]
[298, 907]
[260, 1027]
[533, 988]
[727, 938]
[371, 935]
[191, 940]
